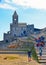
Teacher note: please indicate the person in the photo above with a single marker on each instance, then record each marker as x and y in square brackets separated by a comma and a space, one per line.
[29, 55]
[40, 44]
[40, 51]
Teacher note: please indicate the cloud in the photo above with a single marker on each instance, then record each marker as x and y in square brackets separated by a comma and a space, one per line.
[8, 1]
[7, 6]
[38, 4]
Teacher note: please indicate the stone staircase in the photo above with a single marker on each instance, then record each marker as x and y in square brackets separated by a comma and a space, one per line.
[43, 59]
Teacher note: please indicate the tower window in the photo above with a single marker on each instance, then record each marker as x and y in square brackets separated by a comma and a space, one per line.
[15, 19]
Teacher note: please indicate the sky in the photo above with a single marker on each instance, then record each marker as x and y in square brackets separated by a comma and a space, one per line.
[29, 11]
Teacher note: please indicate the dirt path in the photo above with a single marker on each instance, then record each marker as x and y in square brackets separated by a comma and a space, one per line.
[15, 59]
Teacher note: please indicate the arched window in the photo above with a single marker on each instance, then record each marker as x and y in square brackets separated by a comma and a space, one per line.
[24, 32]
[14, 35]
[6, 41]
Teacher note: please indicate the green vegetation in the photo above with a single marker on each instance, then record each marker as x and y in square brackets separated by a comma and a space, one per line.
[34, 54]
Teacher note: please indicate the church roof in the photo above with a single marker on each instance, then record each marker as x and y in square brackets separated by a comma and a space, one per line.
[15, 13]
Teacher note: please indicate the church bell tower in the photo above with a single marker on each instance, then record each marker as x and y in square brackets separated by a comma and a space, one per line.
[15, 18]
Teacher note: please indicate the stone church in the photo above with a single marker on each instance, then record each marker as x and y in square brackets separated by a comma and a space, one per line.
[17, 30]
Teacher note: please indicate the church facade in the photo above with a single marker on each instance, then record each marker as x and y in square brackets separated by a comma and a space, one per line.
[18, 29]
